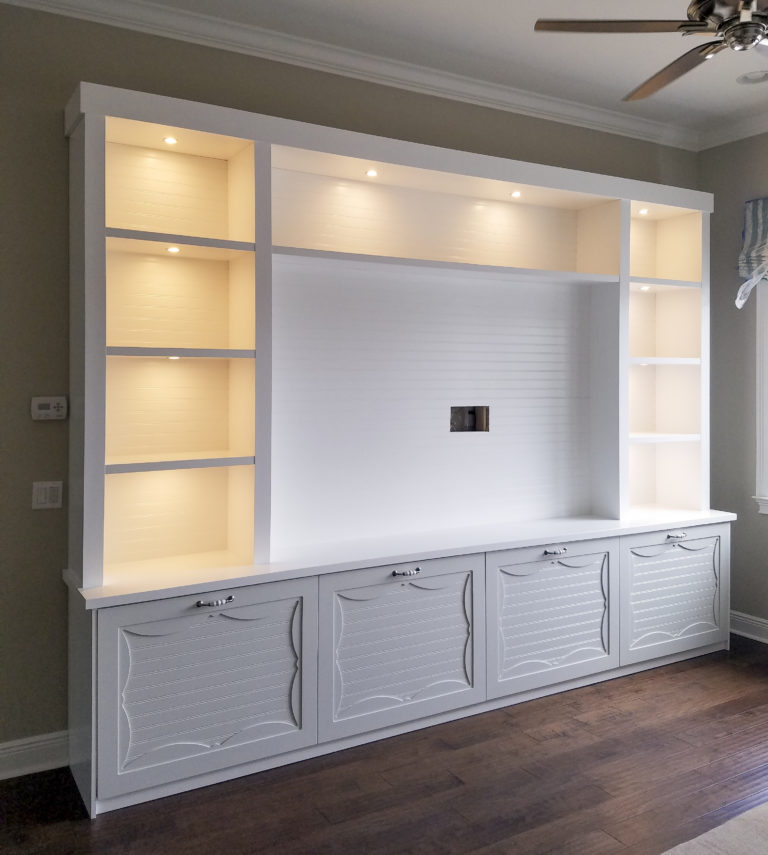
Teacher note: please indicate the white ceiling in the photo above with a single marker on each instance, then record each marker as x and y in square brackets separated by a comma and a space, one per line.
[484, 51]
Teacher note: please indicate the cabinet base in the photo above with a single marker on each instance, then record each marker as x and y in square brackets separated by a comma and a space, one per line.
[99, 806]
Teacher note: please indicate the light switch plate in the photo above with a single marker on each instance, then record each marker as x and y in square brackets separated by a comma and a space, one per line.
[46, 494]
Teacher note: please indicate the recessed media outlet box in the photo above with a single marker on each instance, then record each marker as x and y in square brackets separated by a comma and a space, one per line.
[469, 419]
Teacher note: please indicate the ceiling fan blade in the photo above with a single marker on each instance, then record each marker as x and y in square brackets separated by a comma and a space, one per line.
[678, 68]
[555, 25]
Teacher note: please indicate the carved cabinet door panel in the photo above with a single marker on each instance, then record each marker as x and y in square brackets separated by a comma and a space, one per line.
[191, 685]
[676, 591]
[399, 643]
[552, 614]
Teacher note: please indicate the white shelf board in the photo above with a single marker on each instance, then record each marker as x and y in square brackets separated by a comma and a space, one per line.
[654, 282]
[185, 460]
[523, 273]
[143, 246]
[183, 240]
[181, 352]
[664, 360]
[658, 438]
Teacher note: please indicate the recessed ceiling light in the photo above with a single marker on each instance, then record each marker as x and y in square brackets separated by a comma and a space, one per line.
[174, 357]
[643, 211]
[753, 77]
[173, 249]
[515, 194]
[170, 140]
[371, 173]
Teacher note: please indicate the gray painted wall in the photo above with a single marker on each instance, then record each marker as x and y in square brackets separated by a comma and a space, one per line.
[736, 173]
[42, 58]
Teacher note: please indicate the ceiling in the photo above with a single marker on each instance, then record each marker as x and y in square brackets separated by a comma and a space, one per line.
[484, 51]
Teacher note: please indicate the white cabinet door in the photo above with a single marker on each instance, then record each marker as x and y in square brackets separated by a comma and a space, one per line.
[400, 643]
[675, 591]
[194, 684]
[552, 614]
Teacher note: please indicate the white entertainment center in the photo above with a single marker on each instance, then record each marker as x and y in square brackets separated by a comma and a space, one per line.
[367, 435]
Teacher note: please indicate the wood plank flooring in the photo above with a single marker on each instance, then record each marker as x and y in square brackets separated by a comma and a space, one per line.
[632, 766]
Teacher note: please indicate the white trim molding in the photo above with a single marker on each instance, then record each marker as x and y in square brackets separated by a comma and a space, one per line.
[749, 626]
[34, 754]
[156, 19]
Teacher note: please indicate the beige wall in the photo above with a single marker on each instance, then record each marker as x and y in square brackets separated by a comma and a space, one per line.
[736, 173]
[42, 57]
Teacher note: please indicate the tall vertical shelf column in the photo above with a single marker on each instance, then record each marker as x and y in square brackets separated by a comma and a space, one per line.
[178, 312]
[668, 378]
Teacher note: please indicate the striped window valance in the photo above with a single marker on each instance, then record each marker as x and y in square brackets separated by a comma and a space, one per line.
[753, 258]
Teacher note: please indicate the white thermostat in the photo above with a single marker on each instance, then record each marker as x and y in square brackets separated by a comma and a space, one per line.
[47, 407]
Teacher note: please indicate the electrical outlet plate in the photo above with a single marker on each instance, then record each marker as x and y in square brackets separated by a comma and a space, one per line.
[46, 494]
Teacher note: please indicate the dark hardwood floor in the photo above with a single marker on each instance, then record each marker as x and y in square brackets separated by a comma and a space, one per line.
[633, 766]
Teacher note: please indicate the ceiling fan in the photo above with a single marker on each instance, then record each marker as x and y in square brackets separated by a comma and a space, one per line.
[738, 25]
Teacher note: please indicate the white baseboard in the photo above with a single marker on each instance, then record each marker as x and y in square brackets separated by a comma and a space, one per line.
[749, 626]
[35, 754]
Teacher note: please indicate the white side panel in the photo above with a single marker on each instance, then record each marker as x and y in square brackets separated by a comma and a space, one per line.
[397, 648]
[370, 357]
[81, 644]
[672, 594]
[185, 690]
[551, 618]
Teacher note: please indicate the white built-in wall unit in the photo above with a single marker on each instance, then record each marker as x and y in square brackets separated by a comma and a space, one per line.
[367, 435]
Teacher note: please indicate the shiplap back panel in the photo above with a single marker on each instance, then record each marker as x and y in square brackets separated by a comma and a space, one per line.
[678, 247]
[666, 474]
[665, 398]
[319, 212]
[162, 191]
[155, 515]
[156, 301]
[368, 360]
[158, 406]
[675, 591]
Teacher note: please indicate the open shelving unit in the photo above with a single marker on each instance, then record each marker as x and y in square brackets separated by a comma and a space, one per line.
[668, 378]
[287, 317]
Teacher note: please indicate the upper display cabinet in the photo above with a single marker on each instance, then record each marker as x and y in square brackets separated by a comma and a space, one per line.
[288, 337]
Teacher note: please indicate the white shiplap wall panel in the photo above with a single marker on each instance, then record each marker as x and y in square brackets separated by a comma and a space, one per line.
[172, 301]
[153, 515]
[162, 191]
[368, 360]
[325, 213]
[157, 406]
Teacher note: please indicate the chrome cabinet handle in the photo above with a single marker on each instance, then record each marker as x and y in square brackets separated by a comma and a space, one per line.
[677, 535]
[212, 604]
[556, 550]
[414, 572]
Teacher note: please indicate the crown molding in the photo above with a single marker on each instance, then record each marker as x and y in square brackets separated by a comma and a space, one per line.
[207, 30]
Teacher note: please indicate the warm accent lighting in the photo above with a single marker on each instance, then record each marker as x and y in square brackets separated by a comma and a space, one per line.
[170, 140]
[371, 173]
[174, 357]
[643, 211]
[645, 287]
[173, 249]
[515, 194]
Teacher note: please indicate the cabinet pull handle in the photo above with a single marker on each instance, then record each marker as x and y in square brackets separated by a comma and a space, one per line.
[556, 550]
[212, 604]
[677, 535]
[414, 572]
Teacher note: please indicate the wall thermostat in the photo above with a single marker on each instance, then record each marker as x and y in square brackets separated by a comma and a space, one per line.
[47, 407]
